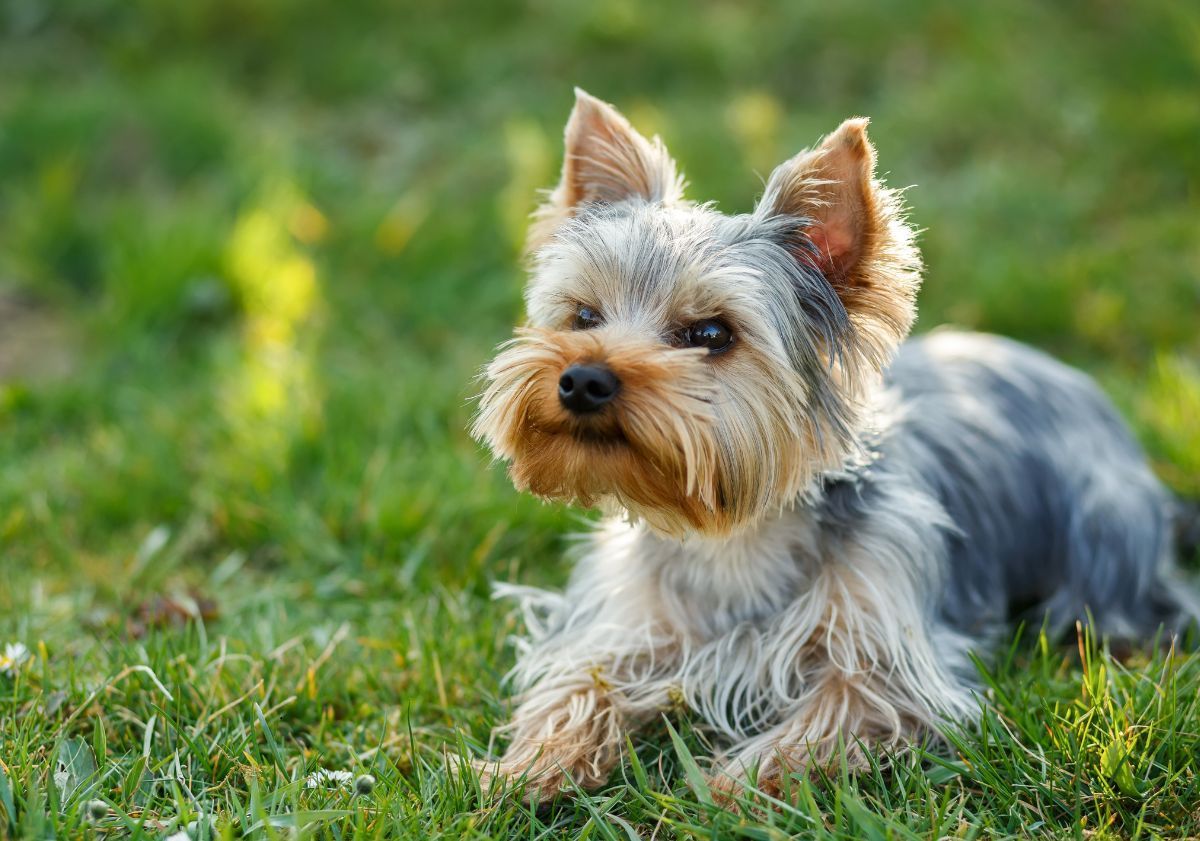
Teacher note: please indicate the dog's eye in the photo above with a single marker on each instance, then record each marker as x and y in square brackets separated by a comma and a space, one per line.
[587, 318]
[709, 333]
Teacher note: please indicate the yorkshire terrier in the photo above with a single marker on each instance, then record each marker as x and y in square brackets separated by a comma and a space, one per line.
[811, 524]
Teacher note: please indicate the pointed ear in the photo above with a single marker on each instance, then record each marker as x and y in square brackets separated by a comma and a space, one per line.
[605, 161]
[851, 227]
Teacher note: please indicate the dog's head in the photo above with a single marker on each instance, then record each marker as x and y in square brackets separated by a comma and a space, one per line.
[694, 368]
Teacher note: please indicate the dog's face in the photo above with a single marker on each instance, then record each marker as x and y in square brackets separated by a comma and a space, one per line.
[697, 369]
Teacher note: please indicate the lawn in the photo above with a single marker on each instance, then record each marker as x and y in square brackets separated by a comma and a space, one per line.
[251, 256]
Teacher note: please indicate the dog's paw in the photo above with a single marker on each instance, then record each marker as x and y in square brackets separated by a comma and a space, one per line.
[730, 787]
[537, 783]
[724, 788]
[778, 768]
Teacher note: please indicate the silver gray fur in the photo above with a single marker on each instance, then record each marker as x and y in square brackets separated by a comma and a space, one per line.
[944, 489]
[1055, 510]
[987, 482]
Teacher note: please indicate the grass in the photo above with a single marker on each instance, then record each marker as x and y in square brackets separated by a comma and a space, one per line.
[251, 255]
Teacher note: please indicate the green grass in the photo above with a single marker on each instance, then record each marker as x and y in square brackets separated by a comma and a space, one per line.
[251, 254]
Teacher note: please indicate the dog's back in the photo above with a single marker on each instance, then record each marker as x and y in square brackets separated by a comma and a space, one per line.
[1056, 508]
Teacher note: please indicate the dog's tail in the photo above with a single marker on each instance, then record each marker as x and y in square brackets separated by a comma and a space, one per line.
[1187, 528]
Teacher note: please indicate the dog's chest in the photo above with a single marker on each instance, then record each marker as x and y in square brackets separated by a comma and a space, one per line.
[711, 587]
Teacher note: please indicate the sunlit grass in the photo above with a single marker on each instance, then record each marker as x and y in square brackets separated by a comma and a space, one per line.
[244, 535]
[270, 394]
[1169, 409]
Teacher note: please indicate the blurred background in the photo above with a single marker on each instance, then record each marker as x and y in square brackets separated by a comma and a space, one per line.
[252, 253]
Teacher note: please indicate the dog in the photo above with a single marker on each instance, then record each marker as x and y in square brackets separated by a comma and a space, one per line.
[812, 522]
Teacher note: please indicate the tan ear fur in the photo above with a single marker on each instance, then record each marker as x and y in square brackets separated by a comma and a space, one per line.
[856, 234]
[605, 161]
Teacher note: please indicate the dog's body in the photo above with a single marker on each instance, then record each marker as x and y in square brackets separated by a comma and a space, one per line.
[810, 539]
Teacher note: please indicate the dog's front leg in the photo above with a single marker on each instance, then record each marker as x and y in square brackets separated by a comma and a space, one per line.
[604, 663]
[562, 729]
[570, 726]
[874, 669]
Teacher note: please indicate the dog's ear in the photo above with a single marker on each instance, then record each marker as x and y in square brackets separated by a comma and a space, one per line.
[832, 188]
[605, 161]
[851, 226]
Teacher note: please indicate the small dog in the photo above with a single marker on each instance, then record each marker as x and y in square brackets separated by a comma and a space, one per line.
[812, 524]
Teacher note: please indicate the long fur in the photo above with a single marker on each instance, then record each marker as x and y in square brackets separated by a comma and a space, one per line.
[809, 532]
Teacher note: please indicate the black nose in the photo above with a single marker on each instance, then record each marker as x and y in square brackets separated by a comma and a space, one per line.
[586, 388]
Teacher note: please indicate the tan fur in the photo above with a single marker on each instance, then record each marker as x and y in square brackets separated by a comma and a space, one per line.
[605, 160]
[576, 736]
[864, 246]
[651, 454]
